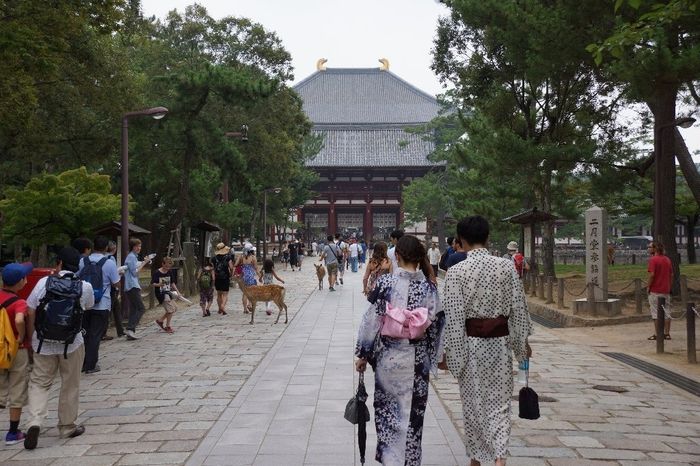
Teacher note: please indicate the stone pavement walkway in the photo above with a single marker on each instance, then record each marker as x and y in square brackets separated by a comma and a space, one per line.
[290, 411]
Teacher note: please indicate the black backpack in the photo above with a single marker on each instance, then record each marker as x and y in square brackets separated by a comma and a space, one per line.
[92, 273]
[443, 261]
[59, 316]
[221, 269]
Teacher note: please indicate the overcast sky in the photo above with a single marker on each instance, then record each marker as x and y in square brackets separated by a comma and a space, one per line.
[350, 33]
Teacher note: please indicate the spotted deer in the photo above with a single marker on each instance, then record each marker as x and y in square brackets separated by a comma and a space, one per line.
[264, 293]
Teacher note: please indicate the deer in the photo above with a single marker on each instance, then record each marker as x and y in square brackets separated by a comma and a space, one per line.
[320, 273]
[256, 293]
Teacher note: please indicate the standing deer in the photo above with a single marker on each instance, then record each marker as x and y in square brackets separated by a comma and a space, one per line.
[320, 273]
[274, 293]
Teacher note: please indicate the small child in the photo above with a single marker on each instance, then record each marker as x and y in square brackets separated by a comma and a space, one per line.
[267, 273]
[205, 283]
[164, 281]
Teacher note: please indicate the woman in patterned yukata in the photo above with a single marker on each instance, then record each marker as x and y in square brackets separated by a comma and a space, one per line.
[487, 321]
[401, 366]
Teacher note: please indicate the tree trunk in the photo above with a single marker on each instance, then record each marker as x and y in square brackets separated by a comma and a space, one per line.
[440, 227]
[692, 221]
[665, 168]
[685, 160]
[547, 227]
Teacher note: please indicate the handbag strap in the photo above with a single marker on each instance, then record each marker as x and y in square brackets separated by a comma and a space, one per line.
[361, 378]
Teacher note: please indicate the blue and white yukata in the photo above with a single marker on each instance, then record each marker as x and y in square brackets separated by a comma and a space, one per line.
[401, 366]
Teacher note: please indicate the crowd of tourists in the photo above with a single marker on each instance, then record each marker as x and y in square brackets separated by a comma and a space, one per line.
[474, 331]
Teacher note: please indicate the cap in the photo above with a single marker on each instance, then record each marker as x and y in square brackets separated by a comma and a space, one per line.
[13, 273]
[512, 246]
[221, 249]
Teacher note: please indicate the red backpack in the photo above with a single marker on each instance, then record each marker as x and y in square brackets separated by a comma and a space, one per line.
[519, 260]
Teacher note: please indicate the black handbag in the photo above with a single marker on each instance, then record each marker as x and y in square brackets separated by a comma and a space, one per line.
[356, 410]
[528, 401]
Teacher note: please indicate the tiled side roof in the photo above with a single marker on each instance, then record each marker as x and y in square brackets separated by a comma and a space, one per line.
[364, 95]
[372, 147]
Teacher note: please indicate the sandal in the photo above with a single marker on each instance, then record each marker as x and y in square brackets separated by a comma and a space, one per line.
[160, 324]
[667, 336]
[653, 337]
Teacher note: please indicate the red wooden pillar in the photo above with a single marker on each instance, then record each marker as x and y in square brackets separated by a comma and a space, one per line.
[332, 228]
[368, 226]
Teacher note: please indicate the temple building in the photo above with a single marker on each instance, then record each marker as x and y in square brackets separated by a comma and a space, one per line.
[367, 155]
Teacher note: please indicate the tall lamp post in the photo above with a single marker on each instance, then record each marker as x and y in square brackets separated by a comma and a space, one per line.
[157, 113]
[276, 191]
[659, 179]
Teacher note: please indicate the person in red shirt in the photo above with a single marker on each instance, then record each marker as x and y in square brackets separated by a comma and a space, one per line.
[13, 381]
[659, 286]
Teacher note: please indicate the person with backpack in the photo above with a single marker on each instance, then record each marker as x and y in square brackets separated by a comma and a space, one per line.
[205, 283]
[102, 274]
[341, 255]
[518, 259]
[15, 345]
[330, 254]
[223, 269]
[58, 345]
[164, 281]
[132, 286]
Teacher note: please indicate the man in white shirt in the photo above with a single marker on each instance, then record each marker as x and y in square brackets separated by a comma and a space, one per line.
[434, 258]
[354, 253]
[342, 262]
[55, 357]
[391, 253]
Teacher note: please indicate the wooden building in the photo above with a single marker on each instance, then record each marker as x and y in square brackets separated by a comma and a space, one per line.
[367, 156]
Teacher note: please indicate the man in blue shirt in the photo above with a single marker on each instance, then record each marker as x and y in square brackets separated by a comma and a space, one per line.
[95, 320]
[132, 287]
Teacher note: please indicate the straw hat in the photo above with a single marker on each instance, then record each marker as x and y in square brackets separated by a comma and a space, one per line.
[221, 249]
[512, 246]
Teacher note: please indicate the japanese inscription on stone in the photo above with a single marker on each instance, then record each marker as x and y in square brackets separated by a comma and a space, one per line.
[596, 247]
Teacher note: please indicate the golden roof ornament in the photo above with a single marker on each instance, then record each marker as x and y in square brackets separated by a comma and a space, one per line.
[321, 64]
[385, 64]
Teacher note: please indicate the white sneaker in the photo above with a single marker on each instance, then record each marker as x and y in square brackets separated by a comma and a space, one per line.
[131, 335]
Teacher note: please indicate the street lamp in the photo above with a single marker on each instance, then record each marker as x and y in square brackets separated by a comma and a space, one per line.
[276, 191]
[156, 113]
[659, 178]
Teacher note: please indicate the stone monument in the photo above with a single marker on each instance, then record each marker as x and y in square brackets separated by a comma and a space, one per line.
[597, 303]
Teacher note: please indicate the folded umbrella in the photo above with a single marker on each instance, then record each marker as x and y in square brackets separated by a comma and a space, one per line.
[357, 413]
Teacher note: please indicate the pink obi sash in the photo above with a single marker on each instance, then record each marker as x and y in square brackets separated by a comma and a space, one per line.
[402, 323]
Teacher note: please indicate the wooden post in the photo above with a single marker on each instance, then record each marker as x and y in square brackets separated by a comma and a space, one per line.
[660, 320]
[560, 293]
[550, 286]
[690, 325]
[533, 286]
[540, 287]
[591, 299]
[684, 290]
[526, 281]
[638, 300]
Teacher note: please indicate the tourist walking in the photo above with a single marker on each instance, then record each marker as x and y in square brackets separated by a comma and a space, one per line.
[517, 258]
[164, 280]
[248, 266]
[394, 237]
[116, 311]
[379, 264]
[95, 320]
[343, 258]
[354, 255]
[659, 285]
[487, 320]
[132, 286]
[331, 255]
[458, 256]
[434, 257]
[402, 358]
[205, 283]
[223, 269]
[293, 254]
[14, 379]
[285, 255]
[56, 357]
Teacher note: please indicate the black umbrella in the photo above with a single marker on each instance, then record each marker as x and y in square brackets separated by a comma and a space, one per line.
[357, 413]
